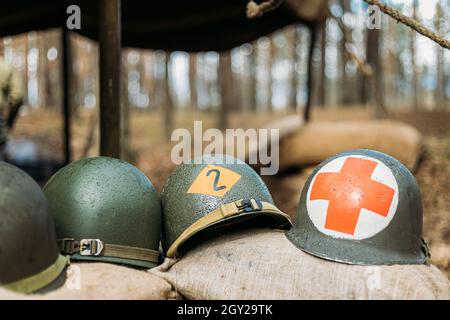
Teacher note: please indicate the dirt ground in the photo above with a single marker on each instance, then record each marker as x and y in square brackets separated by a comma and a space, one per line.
[433, 176]
[151, 153]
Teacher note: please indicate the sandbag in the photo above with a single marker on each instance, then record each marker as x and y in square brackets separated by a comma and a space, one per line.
[9, 295]
[285, 126]
[103, 281]
[316, 141]
[263, 264]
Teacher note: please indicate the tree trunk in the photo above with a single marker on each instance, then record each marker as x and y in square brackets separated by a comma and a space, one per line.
[310, 79]
[225, 82]
[143, 84]
[373, 85]
[371, 58]
[252, 77]
[51, 103]
[295, 42]
[321, 99]
[126, 108]
[346, 94]
[237, 90]
[361, 83]
[193, 80]
[42, 73]
[25, 68]
[440, 100]
[272, 57]
[415, 83]
[54, 78]
[149, 82]
[168, 102]
[67, 77]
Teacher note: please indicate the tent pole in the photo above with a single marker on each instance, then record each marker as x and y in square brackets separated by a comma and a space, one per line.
[110, 69]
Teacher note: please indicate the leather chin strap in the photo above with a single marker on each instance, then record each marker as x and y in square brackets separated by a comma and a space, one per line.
[98, 248]
[41, 279]
[225, 211]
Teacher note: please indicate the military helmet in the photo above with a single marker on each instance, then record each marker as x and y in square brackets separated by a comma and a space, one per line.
[213, 192]
[361, 207]
[29, 258]
[106, 210]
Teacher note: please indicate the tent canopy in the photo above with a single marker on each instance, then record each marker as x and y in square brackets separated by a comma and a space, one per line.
[198, 25]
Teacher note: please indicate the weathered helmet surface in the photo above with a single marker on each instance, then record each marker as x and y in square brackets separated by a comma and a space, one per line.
[29, 258]
[218, 191]
[361, 207]
[107, 210]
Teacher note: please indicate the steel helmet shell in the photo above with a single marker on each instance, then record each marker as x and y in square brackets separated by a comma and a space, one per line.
[210, 193]
[361, 207]
[105, 209]
[29, 258]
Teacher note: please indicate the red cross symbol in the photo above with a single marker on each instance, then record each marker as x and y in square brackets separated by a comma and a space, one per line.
[349, 191]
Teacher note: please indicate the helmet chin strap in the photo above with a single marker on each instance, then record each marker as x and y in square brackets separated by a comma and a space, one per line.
[98, 248]
[225, 211]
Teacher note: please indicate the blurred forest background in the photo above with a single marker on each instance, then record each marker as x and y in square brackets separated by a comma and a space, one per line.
[266, 75]
[247, 87]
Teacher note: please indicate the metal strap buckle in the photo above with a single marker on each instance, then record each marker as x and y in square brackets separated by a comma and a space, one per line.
[91, 247]
[68, 245]
[249, 205]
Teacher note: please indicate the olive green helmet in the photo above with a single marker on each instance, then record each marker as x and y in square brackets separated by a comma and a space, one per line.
[212, 193]
[29, 258]
[106, 210]
[361, 207]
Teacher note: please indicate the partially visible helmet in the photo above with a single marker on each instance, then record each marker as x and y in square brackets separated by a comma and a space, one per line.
[29, 258]
[361, 207]
[217, 192]
[106, 210]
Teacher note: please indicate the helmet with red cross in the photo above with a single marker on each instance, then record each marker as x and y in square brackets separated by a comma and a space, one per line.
[361, 207]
